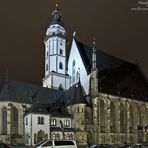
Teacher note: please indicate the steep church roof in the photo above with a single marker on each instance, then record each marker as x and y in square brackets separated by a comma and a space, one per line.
[116, 76]
[22, 92]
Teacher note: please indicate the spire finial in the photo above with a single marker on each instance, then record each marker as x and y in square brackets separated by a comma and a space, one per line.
[57, 4]
[94, 54]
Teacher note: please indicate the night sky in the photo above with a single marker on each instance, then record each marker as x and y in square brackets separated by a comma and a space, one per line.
[118, 29]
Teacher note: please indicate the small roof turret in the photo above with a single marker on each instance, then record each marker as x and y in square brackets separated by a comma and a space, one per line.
[56, 17]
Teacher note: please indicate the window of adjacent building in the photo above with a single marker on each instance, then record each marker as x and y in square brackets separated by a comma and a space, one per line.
[4, 120]
[66, 123]
[40, 120]
[60, 65]
[61, 51]
[53, 122]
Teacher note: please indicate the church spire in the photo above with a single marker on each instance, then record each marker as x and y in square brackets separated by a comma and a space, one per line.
[56, 13]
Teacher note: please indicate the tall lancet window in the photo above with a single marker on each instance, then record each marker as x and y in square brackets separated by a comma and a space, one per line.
[4, 120]
[73, 71]
[15, 120]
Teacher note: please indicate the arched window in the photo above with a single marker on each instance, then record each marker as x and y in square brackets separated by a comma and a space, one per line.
[4, 120]
[102, 116]
[60, 65]
[131, 119]
[122, 118]
[15, 120]
[112, 117]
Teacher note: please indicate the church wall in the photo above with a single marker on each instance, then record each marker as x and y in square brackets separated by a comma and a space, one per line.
[79, 66]
[11, 130]
[123, 121]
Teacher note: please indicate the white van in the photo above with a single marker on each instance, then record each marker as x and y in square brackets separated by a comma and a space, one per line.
[57, 144]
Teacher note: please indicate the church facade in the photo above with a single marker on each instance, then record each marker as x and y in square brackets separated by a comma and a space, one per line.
[91, 97]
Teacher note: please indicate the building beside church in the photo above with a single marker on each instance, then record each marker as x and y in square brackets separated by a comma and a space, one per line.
[91, 97]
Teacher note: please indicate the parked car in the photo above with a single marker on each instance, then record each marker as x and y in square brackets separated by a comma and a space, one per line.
[3, 145]
[57, 144]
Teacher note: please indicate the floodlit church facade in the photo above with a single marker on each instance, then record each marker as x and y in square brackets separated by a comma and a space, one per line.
[91, 97]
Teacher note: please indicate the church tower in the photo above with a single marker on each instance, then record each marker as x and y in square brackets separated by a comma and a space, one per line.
[55, 54]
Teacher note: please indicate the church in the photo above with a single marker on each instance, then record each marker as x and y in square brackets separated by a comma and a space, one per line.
[90, 96]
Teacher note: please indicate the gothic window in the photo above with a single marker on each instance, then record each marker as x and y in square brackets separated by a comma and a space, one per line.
[53, 122]
[122, 118]
[139, 116]
[112, 117]
[102, 116]
[61, 52]
[131, 118]
[73, 71]
[66, 123]
[4, 120]
[15, 120]
[60, 65]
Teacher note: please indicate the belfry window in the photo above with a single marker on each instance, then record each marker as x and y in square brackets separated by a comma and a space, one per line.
[60, 65]
[61, 52]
